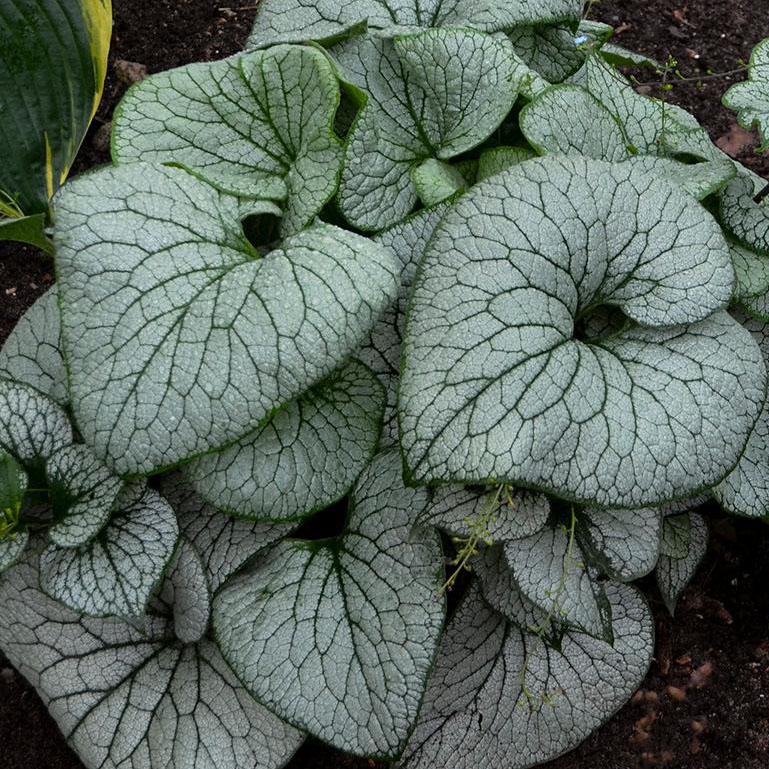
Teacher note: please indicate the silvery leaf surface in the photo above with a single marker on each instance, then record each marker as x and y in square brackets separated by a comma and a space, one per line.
[115, 573]
[747, 220]
[284, 21]
[381, 353]
[674, 574]
[551, 51]
[32, 352]
[223, 543]
[435, 94]
[651, 127]
[12, 549]
[497, 384]
[259, 124]
[84, 492]
[698, 179]
[180, 337]
[568, 120]
[751, 291]
[624, 543]
[306, 457]
[750, 99]
[511, 514]
[499, 696]
[118, 692]
[187, 593]
[552, 571]
[338, 636]
[745, 491]
[32, 426]
[502, 593]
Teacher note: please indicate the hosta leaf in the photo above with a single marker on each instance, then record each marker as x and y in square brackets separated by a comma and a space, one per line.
[13, 486]
[281, 21]
[435, 181]
[435, 94]
[116, 573]
[382, 353]
[32, 352]
[567, 119]
[625, 543]
[179, 337]
[497, 159]
[223, 543]
[751, 271]
[747, 220]
[514, 514]
[503, 594]
[259, 124]
[499, 696]
[674, 574]
[552, 572]
[26, 229]
[698, 179]
[551, 51]
[32, 426]
[53, 58]
[84, 492]
[338, 636]
[305, 458]
[497, 386]
[745, 491]
[131, 698]
[750, 100]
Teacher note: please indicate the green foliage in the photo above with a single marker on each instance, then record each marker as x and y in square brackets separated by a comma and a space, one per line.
[13, 485]
[440, 270]
[53, 59]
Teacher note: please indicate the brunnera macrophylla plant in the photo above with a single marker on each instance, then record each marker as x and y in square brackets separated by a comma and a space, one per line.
[435, 265]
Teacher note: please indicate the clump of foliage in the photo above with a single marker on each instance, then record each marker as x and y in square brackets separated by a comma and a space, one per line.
[442, 266]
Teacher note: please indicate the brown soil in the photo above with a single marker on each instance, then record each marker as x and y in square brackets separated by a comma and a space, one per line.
[706, 38]
[705, 703]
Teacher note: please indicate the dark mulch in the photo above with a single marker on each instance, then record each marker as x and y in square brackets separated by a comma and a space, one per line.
[705, 703]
